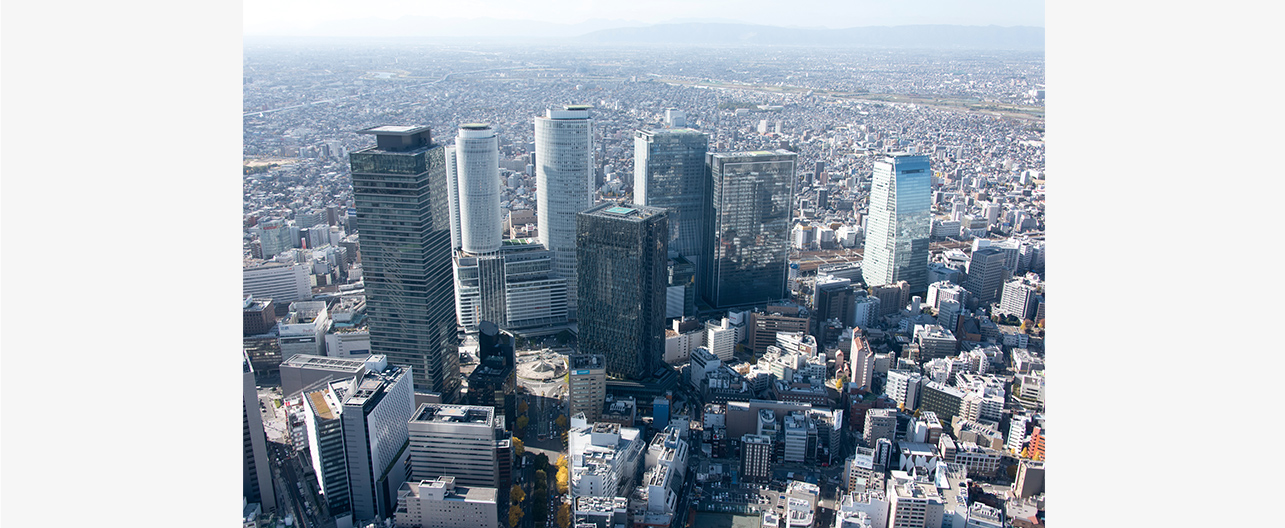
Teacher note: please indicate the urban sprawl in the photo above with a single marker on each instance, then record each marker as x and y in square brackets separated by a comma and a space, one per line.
[541, 286]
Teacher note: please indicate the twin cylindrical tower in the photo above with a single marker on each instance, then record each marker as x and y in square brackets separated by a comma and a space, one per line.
[477, 166]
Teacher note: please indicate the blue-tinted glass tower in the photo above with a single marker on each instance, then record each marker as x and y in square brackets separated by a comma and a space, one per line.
[896, 246]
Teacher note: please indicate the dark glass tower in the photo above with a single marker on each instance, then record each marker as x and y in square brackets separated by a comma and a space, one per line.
[623, 271]
[403, 220]
[494, 380]
[752, 197]
[669, 172]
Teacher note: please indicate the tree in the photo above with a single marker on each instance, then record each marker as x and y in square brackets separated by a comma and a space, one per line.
[516, 495]
[540, 495]
[563, 480]
[522, 408]
[561, 422]
[522, 422]
[541, 511]
[542, 461]
[562, 461]
[564, 515]
[541, 478]
[519, 448]
[515, 515]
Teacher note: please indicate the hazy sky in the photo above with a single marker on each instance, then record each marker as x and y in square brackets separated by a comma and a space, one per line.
[263, 15]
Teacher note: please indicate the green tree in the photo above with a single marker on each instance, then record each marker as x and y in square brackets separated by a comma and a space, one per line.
[541, 478]
[522, 422]
[540, 510]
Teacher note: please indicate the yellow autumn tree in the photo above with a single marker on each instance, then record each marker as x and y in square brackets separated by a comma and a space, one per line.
[564, 515]
[515, 515]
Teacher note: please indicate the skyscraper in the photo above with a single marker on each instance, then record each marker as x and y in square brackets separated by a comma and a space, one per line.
[257, 477]
[376, 408]
[985, 279]
[403, 216]
[748, 248]
[494, 381]
[453, 192]
[477, 167]
[896, 246]
[669, 172]
[622, 280]
[564, 183]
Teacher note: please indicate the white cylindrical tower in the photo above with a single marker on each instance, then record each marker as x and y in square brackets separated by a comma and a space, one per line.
[564, 179]
[477, 164]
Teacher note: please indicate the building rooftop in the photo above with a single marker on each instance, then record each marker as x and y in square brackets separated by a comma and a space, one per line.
[606, 427]
[632, 212]
[400, 130]
[587, 361]
[442, 413]
[600, 504]
[310, 361]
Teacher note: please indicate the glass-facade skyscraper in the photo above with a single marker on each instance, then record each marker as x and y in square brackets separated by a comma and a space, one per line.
[900, 218]
[747, 255]
[623, 272]
[403, 221]
[669, 172]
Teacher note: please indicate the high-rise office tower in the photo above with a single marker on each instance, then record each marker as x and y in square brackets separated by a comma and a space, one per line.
[756, 458]
[403, 216]
[323, 419]
[257, 478]
[587, 385]
[985, 278]
[494, 381]
[747, 252]
[453, 194]
[669, 172]
[622, 280]
[1019, 298]
[564, 176]
[274, 237]
[477, 165]
[675, 118]
[459, 441]
[896, 246]
[833, 299]
[376, 408]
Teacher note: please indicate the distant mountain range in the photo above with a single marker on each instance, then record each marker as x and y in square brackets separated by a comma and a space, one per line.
[682, 33]
[922, 36]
